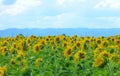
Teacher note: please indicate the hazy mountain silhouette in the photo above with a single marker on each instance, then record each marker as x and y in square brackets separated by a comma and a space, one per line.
[67, 31]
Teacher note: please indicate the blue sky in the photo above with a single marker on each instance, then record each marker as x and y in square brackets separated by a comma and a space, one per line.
[59, 14]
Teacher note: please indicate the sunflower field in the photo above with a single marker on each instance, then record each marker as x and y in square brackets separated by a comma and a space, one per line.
[60, 55]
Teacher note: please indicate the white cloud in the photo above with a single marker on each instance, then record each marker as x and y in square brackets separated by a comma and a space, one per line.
[117, 24]
[2, 27]
[66, 3]
[47, 17]
[67, 20]
[19, 7]
[62, 20]
[110, 22]
[109, 18]
[60, 2]
[1, 1]
[112, 4]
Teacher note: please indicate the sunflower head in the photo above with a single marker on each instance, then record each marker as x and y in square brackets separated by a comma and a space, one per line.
[28, 41]
[104, 43]
[14, 45]
[2, 71]
[99, 61]
[43, 42]
[37, 61]
[118, 61]
[4, 50]
[21, 54]
[57, 39]
[117, 42]
[105, 54]
[98, 41]
[64, 44]
[78, 44]
[80, 55]
[68, 51]
[36, 48]
[12, 61]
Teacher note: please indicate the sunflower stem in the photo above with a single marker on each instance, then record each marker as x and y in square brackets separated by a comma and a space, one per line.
[75, 69]
[109, 70]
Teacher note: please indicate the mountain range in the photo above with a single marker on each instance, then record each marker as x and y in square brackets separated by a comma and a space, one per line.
[58, 31]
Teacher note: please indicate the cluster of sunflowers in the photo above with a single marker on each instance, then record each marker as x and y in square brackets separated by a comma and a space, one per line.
[60, 56]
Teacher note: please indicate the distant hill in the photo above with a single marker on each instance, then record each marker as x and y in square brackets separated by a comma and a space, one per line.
[67, 31]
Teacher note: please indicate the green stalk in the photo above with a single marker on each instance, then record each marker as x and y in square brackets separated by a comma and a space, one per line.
[75, 69]
[18, 71]
[55, 65]
[109, 70]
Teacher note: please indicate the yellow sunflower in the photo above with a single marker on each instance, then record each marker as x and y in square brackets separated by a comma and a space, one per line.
[2, 71]
[37, 61]
[80, 55]
[99, 61]
[36, 48]
[68, 51]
